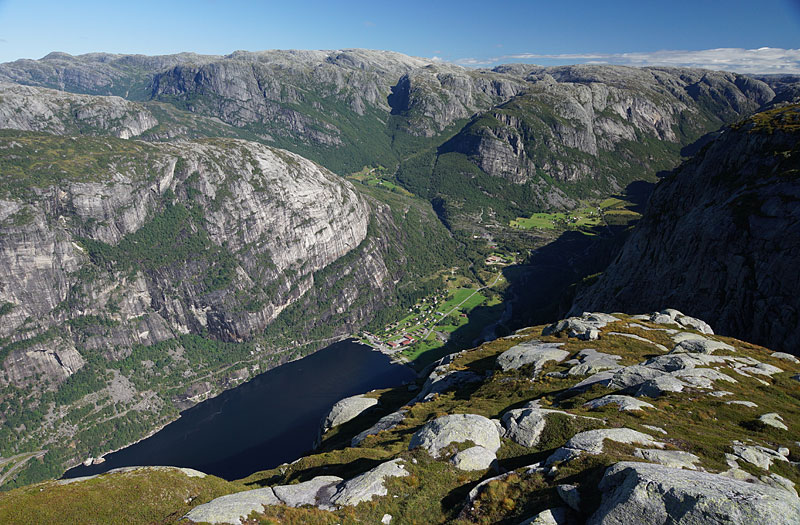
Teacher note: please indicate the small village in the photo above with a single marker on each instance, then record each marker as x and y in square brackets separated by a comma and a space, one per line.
[430, 322]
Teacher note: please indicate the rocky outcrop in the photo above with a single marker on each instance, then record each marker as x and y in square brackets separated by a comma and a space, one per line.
[720, 237]
[369, 484]
[654, 494]
[474, 458]
[532, 353]
[597, 111]
[347, 409]
[592, 442]
[233, 508]
[436, 435]
[35, 109]
[312, 219]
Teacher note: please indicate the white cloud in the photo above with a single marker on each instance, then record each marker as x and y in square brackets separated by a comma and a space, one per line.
[753, 61]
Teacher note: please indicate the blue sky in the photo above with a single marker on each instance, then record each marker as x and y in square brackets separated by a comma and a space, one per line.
[467, 32]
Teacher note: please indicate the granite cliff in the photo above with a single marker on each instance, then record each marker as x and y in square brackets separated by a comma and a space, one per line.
[720, 238]
[139, 278]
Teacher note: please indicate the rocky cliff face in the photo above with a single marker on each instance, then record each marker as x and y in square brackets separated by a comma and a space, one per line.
[34, 109]
[721, 237]
[585, 125]
[562, 133]
[431, 98]
[264, 213]
[134, 275]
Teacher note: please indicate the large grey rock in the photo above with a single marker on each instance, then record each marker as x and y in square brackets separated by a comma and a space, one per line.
[315, 492]
[591, 442]
[369, 484]
[586, 327]
[668, 458]
[346, 409]
[675, 362]
[697, 324]
[659, 386]
[702, 377]
[700, 346]
[624, 402]
[474, 458]
[233, 507]
[456, 428]
[631, 376]
[591, 361]
[649, 494]
[525, 425]
[533, 353]
[761, 369]
[387, 422]
[762, 457]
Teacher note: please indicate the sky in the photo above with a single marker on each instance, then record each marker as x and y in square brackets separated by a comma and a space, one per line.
[746, 36]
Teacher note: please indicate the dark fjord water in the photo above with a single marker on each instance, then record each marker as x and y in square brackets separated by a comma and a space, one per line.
[269, 420]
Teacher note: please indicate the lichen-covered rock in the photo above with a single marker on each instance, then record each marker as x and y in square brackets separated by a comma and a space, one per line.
[442, 379]
[659, 386]
[369, 484]
[624, 402]
[759, 456]
[700, 346]
[748, 404]
[591, 361]
[533, 353]
[474, 458]
[525, 425]
[316, 491]
[233, 507]
[668, 458]
[456, 428]
[591, 442]
[785, 357]
[586, 327]
[570, 495]
[651, 494]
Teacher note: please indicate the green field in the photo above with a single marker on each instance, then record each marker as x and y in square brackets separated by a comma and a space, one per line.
[611, 211]
[377, 177]
[586, 216]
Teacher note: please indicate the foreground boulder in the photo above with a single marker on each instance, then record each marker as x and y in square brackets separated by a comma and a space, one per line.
[648, 494]
[347, 409]
[233, 507]
[475, 458]
[369, 484]
[456, 428]
[533, 353]
[591, 442]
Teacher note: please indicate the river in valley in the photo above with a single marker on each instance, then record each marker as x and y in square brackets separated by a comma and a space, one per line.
[269, 420]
